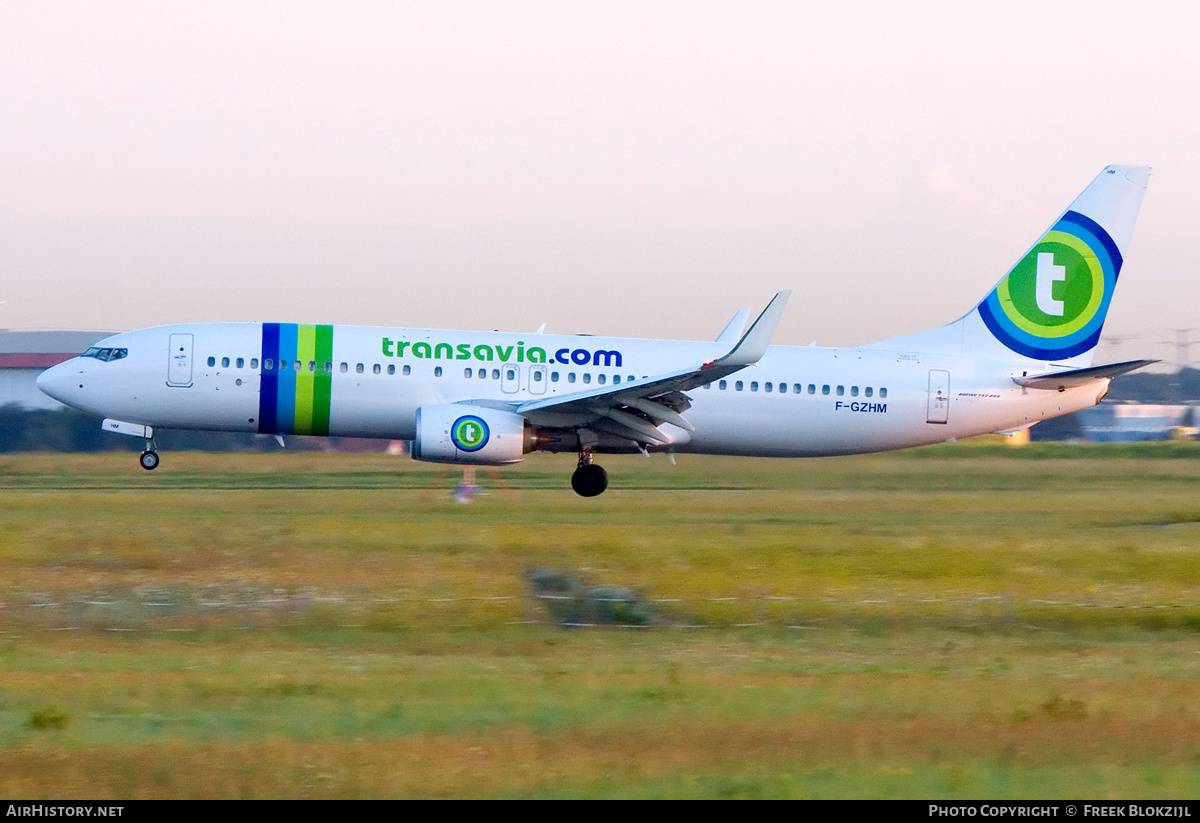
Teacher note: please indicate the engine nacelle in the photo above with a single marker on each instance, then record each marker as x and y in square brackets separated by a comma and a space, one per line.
[455, 433]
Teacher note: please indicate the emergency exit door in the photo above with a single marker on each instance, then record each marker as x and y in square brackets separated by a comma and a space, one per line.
[179, 361]
[939, 396]
[510, 379]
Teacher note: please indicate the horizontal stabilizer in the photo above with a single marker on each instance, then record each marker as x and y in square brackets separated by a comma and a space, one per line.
[1058, 381]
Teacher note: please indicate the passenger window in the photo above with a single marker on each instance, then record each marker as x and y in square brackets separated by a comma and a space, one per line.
[825, 389]
[224, 362]
[483, 374]
[724, 385]
[753, 385]
[600, 378]
[854, 391]
[241, 362]
[254, 363]
[268, 364]
[510, 374]
[299, 365]
[795, 388]
[587, 377]
[495, 374]
[812, 389]
[570, 377]
[553, 377]
[868, 391]
[283, 365]
[359, 368]
[212, 361]
[841, 390]
[343, 367]
[408, 370]
[391, 368]
[616, 378]
[883, 392]
[437, 372]
[467, 373]
[537, 376]
[766, 387]
[738, 385]
[375, 369]
[312, 365]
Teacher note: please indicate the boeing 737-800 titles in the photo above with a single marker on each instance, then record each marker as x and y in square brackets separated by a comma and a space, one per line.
[1023, 354]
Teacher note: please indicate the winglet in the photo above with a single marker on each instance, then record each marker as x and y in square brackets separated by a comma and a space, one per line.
[753, 345]
[734, 328]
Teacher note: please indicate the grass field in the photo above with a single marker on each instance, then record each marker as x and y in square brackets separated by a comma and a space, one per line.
[961, 621]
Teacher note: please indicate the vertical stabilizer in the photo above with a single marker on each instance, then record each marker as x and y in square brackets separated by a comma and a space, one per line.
[1051, 305]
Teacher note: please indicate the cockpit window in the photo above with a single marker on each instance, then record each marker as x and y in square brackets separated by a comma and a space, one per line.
[105, 354]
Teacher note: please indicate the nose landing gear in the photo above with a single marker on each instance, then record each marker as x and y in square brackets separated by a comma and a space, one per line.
[149, 457]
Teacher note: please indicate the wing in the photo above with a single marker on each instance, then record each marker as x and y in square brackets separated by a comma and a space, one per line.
[633, 411]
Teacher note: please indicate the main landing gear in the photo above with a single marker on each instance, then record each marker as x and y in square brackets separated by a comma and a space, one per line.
[589, 479]
[149, 458]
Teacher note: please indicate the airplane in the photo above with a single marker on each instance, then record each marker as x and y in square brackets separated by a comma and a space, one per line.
[1021, 355]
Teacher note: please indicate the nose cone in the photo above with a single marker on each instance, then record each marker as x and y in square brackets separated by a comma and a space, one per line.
[57, 380]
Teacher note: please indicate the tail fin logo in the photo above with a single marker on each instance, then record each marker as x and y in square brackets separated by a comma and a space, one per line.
[1052, 304]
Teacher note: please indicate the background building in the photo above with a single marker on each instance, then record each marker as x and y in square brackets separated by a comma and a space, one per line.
[1126, 422]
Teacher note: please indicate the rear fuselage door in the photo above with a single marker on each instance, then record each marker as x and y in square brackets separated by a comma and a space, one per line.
[179, 360]
[939, 396]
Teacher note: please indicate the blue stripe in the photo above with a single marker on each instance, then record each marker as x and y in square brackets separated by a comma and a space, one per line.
[1100, 234]
[268, 379]
[285, 403]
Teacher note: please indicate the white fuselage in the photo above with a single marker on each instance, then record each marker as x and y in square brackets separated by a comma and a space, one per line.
[370, 381]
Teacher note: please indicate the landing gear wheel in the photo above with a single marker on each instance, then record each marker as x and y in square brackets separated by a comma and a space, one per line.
[589, 480]
[149, 460]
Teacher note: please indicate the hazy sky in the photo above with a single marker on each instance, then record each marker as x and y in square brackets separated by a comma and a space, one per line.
[640, 169]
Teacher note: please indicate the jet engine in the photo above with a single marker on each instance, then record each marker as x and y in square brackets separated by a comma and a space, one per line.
[456, 433]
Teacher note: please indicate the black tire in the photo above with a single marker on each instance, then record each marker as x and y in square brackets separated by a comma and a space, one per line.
[149, 460]
[589, 480]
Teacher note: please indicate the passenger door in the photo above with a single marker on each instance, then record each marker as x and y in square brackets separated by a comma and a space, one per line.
[179, 361]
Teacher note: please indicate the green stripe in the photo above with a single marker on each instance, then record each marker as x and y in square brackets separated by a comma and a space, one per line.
[306, 351]
[323, 385]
